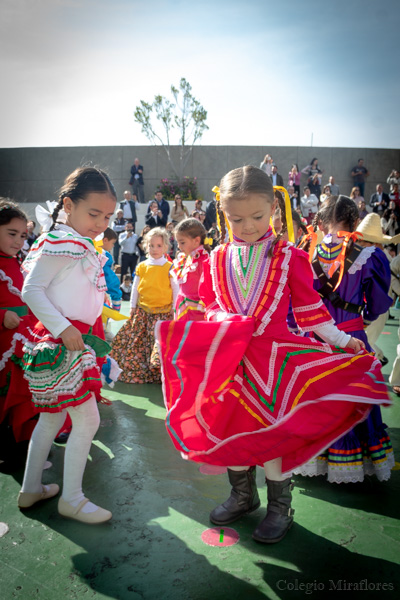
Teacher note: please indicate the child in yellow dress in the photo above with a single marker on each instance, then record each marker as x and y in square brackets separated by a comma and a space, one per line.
[152, 297]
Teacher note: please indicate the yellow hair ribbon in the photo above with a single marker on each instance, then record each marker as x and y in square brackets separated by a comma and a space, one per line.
[98, 244]
[208, 241]
[272, 227]
[216, 191]
[288, 210]
[341, 258]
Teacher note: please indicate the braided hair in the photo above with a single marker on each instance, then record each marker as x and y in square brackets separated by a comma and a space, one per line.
[192, 228]
[79, 184]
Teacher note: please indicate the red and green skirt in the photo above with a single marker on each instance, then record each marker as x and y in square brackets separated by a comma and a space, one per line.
[57, 377]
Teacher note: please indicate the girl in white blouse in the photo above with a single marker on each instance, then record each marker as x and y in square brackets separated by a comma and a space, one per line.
[64, 288]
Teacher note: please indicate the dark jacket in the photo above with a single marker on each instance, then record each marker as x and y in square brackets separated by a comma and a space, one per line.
[133, 208]
[374, 199]
[135, 171]
[163, 206]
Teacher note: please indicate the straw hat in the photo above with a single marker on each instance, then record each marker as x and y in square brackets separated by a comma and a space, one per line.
[371, 229]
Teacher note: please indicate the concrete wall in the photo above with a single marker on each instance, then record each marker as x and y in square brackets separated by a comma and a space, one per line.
[33, 175]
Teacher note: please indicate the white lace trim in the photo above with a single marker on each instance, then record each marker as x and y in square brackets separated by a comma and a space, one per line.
[342, 474]
[10, 285]
[11, 350]
[308, 307]
[361, 259]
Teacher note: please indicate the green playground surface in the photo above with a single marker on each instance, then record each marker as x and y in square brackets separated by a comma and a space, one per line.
[346, 538]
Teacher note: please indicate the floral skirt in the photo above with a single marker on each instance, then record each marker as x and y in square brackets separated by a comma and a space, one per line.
[135, 350]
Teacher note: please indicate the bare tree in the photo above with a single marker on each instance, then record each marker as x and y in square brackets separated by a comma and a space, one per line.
[183, 115]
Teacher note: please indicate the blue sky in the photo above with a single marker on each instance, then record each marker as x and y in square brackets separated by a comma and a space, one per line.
[268, 73]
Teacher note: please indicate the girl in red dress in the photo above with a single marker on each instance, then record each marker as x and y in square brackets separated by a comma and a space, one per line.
[190, 235]
[241, 390]
[16, 409]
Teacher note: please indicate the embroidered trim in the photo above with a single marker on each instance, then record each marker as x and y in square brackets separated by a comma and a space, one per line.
[308, 307]
[10, 284]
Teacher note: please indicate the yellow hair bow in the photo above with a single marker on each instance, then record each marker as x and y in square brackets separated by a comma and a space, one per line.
[208, 241]
[288, 210]
[98, 244]
[216, 191]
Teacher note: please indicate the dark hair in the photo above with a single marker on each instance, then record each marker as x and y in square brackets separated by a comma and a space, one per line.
[339, 209]
[79, 184]
[192, 228]
[110, 234]
[306, 187]
[314, 160]
[297, 219]
[10, 210]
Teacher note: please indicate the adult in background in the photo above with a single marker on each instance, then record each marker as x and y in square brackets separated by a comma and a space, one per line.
[359, 173]
[313, 169]
[118, 226]
[128, 206]
[155, 217]
[334, 187]
[31, 235]
[355, 195]
[294, 179]
[163, 206]
[390, 220]
[379, 201]
[179, 210]
[275, 177]
[136, 180]
[211, 214]
[393, 178]
[129, 252]
[309, 205]
[266, 164]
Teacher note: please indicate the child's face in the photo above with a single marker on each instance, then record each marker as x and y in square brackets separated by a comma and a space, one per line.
[12, 236]
[108, 244]
[249, 218]
[90, 216]
[157, 247]
[187, 244]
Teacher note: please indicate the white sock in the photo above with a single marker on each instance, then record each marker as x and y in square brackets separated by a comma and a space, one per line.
[39, 447]
[273, 470]
[85, 422]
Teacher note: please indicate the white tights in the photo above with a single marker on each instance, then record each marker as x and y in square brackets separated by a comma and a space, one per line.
[85, 422]
[272, 468]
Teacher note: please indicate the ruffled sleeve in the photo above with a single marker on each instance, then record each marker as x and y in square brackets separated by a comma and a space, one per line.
[308, 308]
[61, 244]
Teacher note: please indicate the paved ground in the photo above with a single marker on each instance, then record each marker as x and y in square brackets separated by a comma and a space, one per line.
[344, 535]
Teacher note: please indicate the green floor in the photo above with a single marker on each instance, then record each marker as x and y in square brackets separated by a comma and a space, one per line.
[152, 548]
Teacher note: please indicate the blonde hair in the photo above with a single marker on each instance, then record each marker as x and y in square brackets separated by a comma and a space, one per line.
[156, 232]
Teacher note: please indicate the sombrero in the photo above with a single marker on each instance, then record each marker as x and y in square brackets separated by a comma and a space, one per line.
[371, 229]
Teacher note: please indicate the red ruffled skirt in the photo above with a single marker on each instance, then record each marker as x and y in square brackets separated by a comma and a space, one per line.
[57, 377]
[237, 399]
